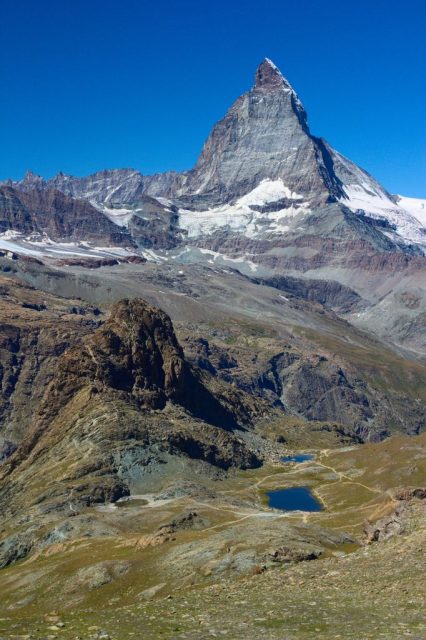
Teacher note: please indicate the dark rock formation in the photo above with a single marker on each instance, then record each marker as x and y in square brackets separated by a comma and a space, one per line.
[136, 352]
[329, 293]
[410, 493]
[126, 393]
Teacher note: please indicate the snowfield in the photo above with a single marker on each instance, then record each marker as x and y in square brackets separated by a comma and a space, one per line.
[407, 215]
[44, 246]
[241, 218]
[415, 206]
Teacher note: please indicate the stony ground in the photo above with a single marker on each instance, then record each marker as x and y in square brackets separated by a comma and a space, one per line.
[375, 592]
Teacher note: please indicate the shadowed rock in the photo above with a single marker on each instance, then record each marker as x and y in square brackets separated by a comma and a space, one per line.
[136, 351]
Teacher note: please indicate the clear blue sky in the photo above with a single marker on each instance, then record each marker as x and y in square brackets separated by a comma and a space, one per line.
[99, 84]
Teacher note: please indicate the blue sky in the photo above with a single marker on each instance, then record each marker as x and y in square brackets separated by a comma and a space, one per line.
[96, 84]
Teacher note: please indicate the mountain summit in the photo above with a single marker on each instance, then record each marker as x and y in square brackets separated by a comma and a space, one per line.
[264, 135]
[268, 75]
[261, 153]
[265, 193]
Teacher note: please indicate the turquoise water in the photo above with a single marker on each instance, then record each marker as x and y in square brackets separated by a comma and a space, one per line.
[303, 457]
[293, 499]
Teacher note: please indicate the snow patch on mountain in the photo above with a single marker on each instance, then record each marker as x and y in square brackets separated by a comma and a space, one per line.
[120, 217]
[222, 257]
[375, 203]
[268, 191]
[365, 197]
[242, 218]
[43, 246]
[415, 206]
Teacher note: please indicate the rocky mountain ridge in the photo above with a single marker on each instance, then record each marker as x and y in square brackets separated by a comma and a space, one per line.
[49, 213]
[126, 395]
[260, 163]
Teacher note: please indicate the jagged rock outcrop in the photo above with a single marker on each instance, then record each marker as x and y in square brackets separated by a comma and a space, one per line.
[110, 186]
[136, 352]
[121, 399]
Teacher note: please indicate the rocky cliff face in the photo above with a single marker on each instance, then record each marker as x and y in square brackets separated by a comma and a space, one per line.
[13, 214]
[35, 329]
[51, 213]
[264, 135]
[125, 393]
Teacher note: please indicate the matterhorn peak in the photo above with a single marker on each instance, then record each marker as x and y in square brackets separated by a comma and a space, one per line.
[268, 75]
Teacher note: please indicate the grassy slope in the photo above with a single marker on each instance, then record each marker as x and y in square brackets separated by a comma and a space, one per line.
[372, 592]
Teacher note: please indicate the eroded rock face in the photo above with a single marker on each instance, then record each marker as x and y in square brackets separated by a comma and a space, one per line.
[410, 505]
[55, 214]
[123, 398]
[13, 215]
[155, 225]
[35, 329]
[387, 527]
[136, 352]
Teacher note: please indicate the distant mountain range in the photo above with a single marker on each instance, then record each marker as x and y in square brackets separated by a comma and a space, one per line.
[260, 173]
[266, 196]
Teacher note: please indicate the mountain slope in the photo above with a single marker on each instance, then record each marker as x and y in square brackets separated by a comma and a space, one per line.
[52, 214]
[123, 398]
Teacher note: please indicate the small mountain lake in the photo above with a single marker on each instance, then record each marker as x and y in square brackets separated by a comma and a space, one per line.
[302, 457]
[293, 499]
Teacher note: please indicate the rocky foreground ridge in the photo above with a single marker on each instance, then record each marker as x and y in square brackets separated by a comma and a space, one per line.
[98, 408]
[131, 378]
